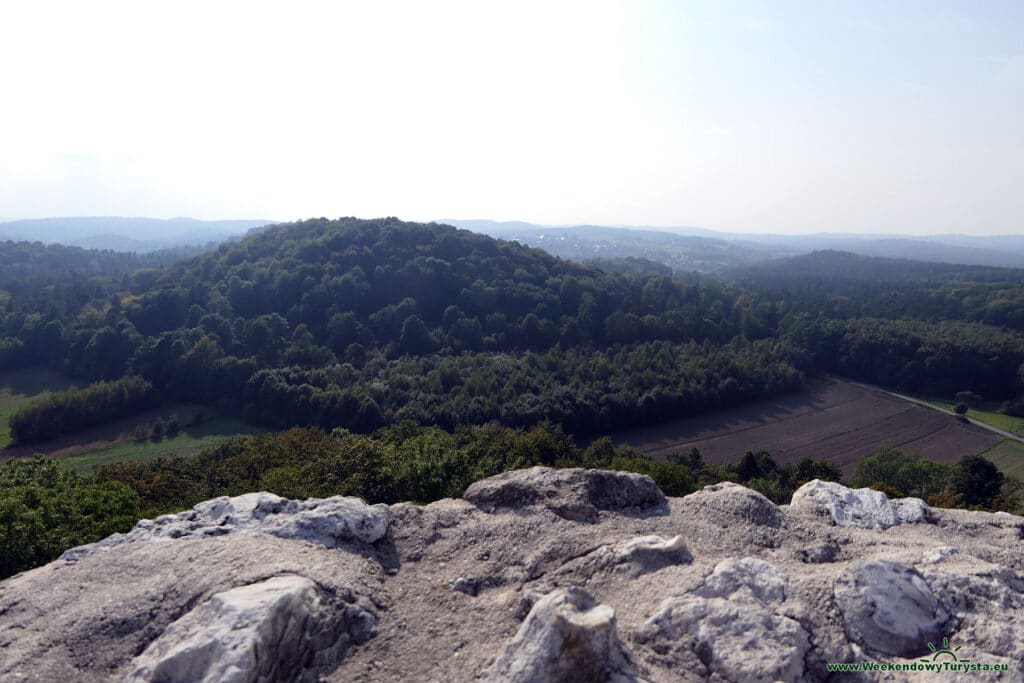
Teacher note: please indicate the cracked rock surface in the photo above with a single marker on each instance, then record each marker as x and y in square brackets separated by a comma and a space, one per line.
[283, 628]
[327, 522]
[534, 575]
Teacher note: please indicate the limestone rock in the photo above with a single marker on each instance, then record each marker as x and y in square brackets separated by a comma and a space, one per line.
[84, 621]
[987, 605]
[327, 521]
[632, 557]
[764, 581]
[283, 628]
[574, 493]
[567, 636]
[864, 508]
[730, 623]
[889, 608]
[756, 591]
[729, 503]
[737, 639]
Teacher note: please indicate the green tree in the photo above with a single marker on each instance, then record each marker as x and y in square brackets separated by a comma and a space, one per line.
[977, 479]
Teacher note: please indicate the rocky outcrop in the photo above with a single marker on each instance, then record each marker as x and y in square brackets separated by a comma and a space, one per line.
[327, 522]
[567, 636]
[284, 628]
[865, 508]
[730, 623]
[574, 494]
[889, 608]
[537, 575]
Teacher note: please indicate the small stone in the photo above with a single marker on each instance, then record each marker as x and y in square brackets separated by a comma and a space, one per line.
[939, 554]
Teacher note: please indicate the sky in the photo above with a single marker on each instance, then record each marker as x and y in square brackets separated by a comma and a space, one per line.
[770, 117]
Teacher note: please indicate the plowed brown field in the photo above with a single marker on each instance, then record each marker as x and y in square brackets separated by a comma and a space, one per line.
[834, 421]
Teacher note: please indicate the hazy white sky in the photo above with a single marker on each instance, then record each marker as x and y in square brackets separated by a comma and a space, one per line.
[741, 116]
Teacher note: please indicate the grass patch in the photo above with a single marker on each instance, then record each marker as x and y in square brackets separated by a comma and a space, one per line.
[188, 440]
[1008, 423]
[1008, 456]
[20, 387]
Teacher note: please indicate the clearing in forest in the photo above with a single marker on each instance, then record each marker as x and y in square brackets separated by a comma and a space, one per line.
[18, 388]
[129, 438]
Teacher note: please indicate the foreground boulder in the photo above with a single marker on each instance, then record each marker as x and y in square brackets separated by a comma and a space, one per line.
[284, 628]
[575, 494]
[327, 522]
[540, 575]
[864, 508]
[566, 637]
[889, 608]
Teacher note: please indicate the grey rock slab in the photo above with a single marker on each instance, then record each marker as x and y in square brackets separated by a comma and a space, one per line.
[731, 504]
[86, 620]
[327, 522]
[567, 637]
[730, 624]
[890, 608]
[632, 557]
[574, 494]
[763, 580]
[284, 628]
[737, 638]
[864, 508]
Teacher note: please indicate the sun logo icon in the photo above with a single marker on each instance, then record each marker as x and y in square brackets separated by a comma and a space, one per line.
[944, 652]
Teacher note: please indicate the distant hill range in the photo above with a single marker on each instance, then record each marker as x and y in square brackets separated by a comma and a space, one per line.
[140, 235]
[595, 243]
[690, 248]
[831, 266]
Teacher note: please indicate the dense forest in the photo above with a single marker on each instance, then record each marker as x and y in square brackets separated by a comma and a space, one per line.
[360, 324]
[923, 327]
[364, 323]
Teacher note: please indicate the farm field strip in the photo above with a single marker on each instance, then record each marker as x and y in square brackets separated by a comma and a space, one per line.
[1008, 456]
[1008, 423]
[956, 441]
[840, 422]
[187, 441]
[743, 418]
[761, 415]
[800, 431]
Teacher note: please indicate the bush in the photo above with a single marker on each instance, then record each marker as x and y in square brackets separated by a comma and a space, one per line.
[904, 474]
[46, 508]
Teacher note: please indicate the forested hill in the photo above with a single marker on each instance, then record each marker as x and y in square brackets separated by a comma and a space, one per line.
[843, 285]
[841, 266]
[125, 234]
[359, 323]
[20, 261]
